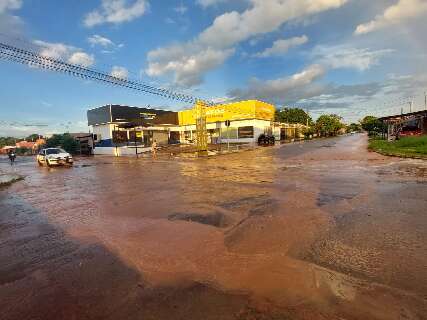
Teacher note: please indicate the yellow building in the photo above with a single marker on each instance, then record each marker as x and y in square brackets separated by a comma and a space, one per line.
[248, 120]
[243, 110]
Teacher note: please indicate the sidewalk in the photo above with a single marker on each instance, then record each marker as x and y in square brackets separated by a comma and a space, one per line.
[9, 178]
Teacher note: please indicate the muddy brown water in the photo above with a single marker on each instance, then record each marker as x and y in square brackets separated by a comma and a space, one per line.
[313, 230]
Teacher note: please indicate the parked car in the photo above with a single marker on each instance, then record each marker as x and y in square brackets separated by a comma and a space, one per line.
[266, 140]
[54, 157]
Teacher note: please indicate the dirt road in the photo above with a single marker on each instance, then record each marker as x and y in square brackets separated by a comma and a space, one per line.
[316, 230]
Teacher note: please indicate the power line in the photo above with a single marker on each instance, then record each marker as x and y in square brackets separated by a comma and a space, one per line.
[33, 59]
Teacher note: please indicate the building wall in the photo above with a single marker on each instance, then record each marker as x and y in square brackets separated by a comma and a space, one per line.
[119, 151]
[260, 127]
[103, 131]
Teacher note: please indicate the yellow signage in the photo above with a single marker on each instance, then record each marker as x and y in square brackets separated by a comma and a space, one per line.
[243, 110]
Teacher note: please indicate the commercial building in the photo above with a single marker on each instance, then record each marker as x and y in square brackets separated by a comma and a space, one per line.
[406, 124]
[124, 130]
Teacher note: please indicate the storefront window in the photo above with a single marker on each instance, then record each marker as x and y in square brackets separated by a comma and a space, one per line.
[135, 136]
[229, 133]
[246, 132]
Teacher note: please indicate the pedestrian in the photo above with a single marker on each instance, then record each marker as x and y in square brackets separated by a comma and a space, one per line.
[154, 149]
[12, 156]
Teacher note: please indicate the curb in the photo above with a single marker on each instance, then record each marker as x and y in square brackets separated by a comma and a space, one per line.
[8, 179]
[397, 155]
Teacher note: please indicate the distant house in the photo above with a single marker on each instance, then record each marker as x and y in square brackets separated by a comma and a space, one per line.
[25, 144]
[6, 149]
[30, 145]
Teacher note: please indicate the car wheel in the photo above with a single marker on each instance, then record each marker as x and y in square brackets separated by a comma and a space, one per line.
[40, 164]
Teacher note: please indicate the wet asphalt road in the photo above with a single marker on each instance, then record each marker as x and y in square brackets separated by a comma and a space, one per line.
[313, 230]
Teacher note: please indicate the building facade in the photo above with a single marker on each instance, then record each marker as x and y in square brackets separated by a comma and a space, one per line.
[123, 130]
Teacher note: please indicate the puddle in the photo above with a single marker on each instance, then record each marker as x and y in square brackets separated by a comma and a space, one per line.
[216, 219]
[325, 199]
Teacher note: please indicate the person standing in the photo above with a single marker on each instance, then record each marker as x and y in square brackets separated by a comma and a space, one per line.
[154, 149]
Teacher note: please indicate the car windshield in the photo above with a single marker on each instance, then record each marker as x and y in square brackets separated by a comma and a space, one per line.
[54, 151]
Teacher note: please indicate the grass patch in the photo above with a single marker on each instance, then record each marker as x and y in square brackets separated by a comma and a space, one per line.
[408, 147]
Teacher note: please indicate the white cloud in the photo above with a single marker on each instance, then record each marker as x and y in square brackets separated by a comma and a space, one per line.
[263, 17]
[336, 57]
[65, 52]
[207, 3]
[6, 5]
[120, 72]
[186, 67]
[280, 89]
[54, 50]
[100, 40]
[402, 11]
[215, 44]
[181, 9]
[282, 46]
[10, 24]
[82, 59]
[116, 12]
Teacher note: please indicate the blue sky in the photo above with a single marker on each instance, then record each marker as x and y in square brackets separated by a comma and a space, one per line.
[350, 57]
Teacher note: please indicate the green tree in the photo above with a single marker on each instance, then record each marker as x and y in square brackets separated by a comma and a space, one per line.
[293, 115]
[8, 141]
[22, 151]
[309, 131]
[65, 141]
[329, 125]
[354, 127]
[32, 137]
[372, 125]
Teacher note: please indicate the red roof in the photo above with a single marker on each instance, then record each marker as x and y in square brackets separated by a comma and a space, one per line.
[25, 144]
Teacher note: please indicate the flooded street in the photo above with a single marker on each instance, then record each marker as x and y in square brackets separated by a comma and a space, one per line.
[311, 230]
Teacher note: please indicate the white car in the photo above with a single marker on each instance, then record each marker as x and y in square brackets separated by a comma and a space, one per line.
[54, 157]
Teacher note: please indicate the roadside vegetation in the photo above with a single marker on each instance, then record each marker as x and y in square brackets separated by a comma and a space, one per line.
[372, 125]
[64, 141]
[354, 127]
[327, 125]
[405, 147]
[293, 116]
[11, 141]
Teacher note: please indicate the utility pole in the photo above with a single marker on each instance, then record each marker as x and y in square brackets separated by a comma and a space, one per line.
[306, 111]
[425, 100]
